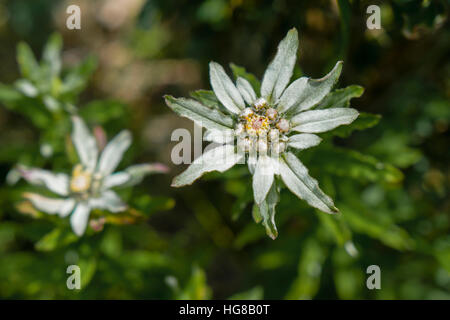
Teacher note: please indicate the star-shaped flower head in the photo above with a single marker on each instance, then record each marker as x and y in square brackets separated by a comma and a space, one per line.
[89, 186]
[263, 130]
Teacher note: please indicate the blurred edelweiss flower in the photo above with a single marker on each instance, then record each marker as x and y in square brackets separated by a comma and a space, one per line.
[89, 186]
[263, 130]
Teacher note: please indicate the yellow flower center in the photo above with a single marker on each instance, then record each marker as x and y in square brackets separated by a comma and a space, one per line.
[261, 128]
[81, 180]
[256, 124]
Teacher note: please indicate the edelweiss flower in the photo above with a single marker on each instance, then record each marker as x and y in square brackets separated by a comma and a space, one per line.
[89, 186]
[263, 130]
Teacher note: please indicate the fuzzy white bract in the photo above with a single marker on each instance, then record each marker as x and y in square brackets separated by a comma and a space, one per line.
[91, 182]
[263, 130]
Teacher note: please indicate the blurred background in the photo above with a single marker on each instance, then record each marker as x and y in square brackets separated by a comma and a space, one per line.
[390, 181]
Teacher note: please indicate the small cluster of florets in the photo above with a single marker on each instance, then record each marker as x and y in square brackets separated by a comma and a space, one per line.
[83, 183]
[261, 129]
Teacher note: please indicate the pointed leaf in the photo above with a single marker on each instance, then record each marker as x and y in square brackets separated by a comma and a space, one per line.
[371, 224]
[246, 90]
[218, 136]
[55, 182]
[113, 153]
[279, 71]
[364, 121]
[207, 98]
[303, 141]
[55, 239]
[137, 172]
[304, 93]
[295, 176]
[200, 114]
[85, 143]
[62, 207]
[315, 121]
[263, 178]
[267, 211]
[241, 72]
[224, 88]
[108, 200]
[27, 62]
[340, 98]
[52, 53]
[78, 77]
[218, 159]
[79, 218]
[355, 165]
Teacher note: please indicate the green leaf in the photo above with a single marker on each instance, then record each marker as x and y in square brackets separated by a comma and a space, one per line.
[143, 260]
[256, 293]
[78, 77]
[149, 205]
[51, 56]
[394, 146]
[206, 97]
[29, 107]
[88, 267]
[337, 226]
[243, 199]
[340, 98]
[443, 256]
[27, 62]
[9, 96]
[111, 243]
[387, 232]
[347, 275]
[196, 288]
[250, 234]
[104, 111]
[241, 72]
[355, 165]
[209, 99]
[256, 214]
[307, 282]
[55, 239]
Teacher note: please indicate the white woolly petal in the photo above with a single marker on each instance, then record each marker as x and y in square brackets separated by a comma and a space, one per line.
[85, 143]
[55, 182]
[80, 218]
[115, 179]
[62, 207]
[113, 153]
[108, 200]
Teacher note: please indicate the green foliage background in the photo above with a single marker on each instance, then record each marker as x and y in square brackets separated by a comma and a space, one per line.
[389, 181]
